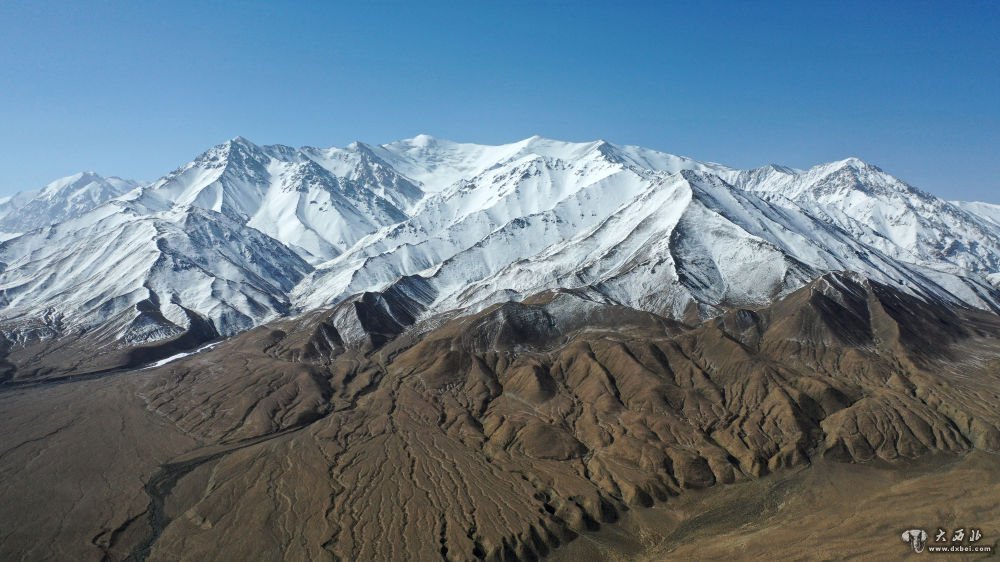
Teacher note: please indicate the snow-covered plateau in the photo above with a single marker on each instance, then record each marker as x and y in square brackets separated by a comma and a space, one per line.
[245, 233]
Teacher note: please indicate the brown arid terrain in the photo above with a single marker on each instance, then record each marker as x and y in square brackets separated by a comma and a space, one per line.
[829, 511]
[818, 428]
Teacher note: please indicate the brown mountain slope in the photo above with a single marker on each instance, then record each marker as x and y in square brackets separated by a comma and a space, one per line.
[499, 436]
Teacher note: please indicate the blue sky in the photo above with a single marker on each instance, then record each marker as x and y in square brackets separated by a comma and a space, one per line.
[138, 88]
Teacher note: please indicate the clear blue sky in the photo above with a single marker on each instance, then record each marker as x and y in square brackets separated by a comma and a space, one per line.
[138, 88]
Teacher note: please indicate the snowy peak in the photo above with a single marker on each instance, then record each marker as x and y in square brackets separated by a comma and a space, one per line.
[422, 141]
[236, 153]
[143, 276]
[853, 174]
[60, 200]
[884, 212]
[985, 211]
[437, 164]
[850, 162]
[73, 183]
[86, 190]
[366, 168]
[824, 181]
[318, 202]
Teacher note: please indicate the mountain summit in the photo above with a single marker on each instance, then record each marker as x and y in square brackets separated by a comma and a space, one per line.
[60, 200]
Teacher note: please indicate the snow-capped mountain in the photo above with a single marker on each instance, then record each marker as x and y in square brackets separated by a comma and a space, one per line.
[540, 213]
[245, 233]
[319, 203]
[145, 272]
[883, 212]
[62, 199]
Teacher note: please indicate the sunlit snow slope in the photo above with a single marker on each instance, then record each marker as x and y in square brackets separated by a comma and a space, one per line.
[245, 233]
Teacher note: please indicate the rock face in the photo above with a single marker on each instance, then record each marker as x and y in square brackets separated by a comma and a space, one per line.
[501, 435]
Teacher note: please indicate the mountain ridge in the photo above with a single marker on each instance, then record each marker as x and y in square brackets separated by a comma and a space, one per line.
[479, 225]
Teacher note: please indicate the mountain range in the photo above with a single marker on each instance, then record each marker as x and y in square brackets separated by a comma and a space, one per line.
[245, 234]
[438, 351]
